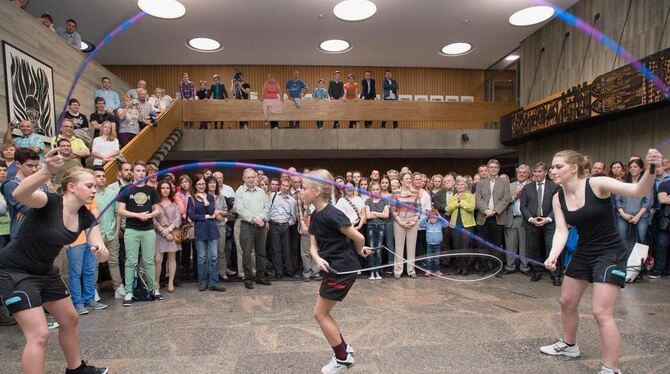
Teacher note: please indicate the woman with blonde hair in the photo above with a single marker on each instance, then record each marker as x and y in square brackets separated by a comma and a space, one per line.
[106, 146]
[405, 229]
[601, 255]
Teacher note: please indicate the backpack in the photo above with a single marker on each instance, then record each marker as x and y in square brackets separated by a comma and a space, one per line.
[140, 288]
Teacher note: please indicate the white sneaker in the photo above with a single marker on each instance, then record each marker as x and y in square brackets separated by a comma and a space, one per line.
[336, 366]
[378, 276]
[561, 349]
[372, 276]
[605, 370]
[120, 292]
[97, 296]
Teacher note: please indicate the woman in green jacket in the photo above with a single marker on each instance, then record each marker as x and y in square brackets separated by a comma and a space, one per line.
[461, 208]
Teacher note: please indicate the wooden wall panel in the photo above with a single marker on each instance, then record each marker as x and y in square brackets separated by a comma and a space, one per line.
[412, 81]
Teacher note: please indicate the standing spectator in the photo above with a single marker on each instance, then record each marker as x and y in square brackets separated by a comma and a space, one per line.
[433, 228]
[106, 146]
[617, 171]
[598, 169]
[320, 93]
[47, 21]
[336, 91]
[434, 186]
[4, 214]
[146, 109]
[351, 94]
[515, 230]
[538, 213]
[203, 93]
[111, 97]
[159, 101]
[252, 207]
[214, 189]
[166, 223]
[492, 197]
[461, 208]
[202, 211]
[72, 113]
[390, 93]
[8, 152]
[110, 226]
[186, 92]
[188, 266]
[440, 201]
[662, 238]
[405, 228]
[426, 206]
[387, 193]
[368, 92]
[633, 212]
[392, 174]
[241, 90]
[139, 204]
[69, 33]
[375, 176]
[377, 213]
[69, 160]
[79, 148]
[296, 88]
[272, 99]
[132, 93]
[27, 139]
[283, 214]
[101, 115]
[352, 206]
[218, 89]
[130, 117]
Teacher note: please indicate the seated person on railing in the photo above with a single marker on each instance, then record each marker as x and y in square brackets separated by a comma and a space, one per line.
[320, 93]
[271, 97]
[106, 146]
[79, 148]
[351, 94]
[159, 100]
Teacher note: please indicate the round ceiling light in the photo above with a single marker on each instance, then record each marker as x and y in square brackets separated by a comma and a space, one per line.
[204, 45]
[334, 46]
[456, 49]
[87, 47]
[355, 10]
[531, 16]
[168, 9]
[512, 58]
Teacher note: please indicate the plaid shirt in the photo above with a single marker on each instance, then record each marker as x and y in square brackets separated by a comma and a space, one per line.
[187, 90]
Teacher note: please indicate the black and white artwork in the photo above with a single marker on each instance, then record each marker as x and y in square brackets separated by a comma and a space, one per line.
[30, 90]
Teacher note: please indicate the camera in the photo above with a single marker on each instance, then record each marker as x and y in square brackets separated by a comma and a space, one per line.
[153, 120]
[237, 75]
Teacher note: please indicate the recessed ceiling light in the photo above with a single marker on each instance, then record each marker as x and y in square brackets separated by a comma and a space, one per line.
[334, 46]
[355, 10]
[168, 9]
[456, 49]
[204, 45]
[512, 58]
[531, 16]
[87, 47]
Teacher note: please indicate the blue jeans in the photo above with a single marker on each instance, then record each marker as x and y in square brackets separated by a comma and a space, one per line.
[375, 240]
[389, 240]
[207, 251]
[640, 229]
[660, 251]
[433, 264]
[81, 262]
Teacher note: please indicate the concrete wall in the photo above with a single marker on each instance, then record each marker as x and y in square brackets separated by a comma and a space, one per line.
[641, 36]
[20, 29]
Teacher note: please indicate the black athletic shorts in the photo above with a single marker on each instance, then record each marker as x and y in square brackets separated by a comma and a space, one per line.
[21, 291]
[601, 268]
[336, 287]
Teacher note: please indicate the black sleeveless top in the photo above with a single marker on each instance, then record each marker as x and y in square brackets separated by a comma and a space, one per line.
[595, 222]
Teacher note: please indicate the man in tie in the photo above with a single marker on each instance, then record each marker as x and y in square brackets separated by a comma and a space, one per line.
[492, 196]
[537, 212]
[368, 91]
[515, 231]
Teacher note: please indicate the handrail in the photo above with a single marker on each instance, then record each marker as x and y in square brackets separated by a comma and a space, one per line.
[149, 139]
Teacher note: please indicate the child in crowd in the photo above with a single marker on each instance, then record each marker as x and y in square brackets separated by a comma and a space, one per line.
[334, 245]
[433, 240]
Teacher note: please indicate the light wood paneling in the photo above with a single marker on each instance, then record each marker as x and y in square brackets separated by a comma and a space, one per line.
[412, 81]
[238, 110]
[28, 34]
[145, 144]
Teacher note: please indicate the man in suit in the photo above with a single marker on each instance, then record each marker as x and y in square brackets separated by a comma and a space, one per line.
[440, 202]
[536, 208]
[368, 91]
[492, 196]
[390, 92]
[515, 231]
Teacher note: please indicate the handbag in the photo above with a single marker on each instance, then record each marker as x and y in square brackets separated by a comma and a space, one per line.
[187, 230]
[177, 232]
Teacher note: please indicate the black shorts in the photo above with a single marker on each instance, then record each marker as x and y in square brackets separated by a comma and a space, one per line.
[336, 287]
[21, 291]
[602, 268]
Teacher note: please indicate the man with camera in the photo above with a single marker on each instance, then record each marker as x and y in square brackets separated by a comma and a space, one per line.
[241, 90]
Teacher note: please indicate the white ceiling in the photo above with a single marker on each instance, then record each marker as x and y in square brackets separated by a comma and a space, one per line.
[287, 32]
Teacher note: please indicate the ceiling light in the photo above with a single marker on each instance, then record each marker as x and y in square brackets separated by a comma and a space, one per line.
[87, 47]
[531, 16]
[512, 58]
[355, 10]
[168, 9]
[456, 49]
[204, 45]
[334, 46]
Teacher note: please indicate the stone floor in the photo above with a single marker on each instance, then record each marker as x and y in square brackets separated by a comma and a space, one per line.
[396, 326]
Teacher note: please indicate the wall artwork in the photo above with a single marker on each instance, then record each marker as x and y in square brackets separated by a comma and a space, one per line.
[29, 84]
